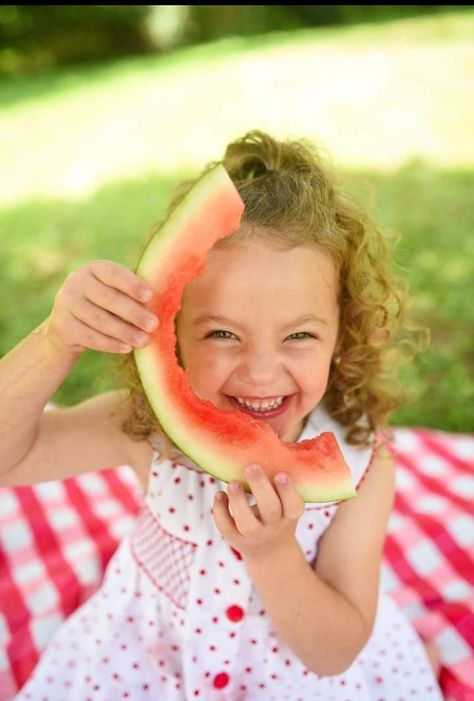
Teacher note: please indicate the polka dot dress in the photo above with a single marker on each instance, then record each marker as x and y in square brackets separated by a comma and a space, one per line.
[178, 619]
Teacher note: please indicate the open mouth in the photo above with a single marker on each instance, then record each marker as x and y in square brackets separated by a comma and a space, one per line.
[264, 413]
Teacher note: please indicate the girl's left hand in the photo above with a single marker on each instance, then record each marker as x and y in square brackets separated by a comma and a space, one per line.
[267, 526]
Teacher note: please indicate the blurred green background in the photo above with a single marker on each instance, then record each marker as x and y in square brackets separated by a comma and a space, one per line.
[103, 109]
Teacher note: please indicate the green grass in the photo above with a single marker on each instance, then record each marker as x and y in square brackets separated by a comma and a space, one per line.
[89, 156]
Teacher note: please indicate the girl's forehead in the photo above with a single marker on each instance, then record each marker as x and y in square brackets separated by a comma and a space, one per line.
[250, 273]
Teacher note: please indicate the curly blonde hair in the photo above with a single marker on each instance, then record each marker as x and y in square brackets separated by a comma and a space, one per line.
[292, 198]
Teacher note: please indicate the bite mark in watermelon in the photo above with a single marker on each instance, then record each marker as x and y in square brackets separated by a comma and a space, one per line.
[222, 442]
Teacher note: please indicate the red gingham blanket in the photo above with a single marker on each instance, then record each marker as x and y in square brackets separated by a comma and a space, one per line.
[56, 539]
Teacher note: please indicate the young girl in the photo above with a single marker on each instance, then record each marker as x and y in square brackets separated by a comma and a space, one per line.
[254, 596]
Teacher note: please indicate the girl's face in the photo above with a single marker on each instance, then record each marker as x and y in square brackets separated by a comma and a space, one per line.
[260, 348]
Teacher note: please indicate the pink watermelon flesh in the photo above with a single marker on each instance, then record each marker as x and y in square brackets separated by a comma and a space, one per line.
[222, 442]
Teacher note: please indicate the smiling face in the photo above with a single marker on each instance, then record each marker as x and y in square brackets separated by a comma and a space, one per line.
[261, 350]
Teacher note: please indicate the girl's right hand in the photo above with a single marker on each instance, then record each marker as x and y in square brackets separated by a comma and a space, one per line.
[101, 306]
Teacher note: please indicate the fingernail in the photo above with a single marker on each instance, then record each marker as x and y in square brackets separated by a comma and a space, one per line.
[140, 338]
[281, 478]
[234, 486]
[252, 470]
[146, 295]
[151, 323]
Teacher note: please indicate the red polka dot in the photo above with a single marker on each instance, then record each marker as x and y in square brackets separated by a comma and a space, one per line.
[235, 613]
[221, 680]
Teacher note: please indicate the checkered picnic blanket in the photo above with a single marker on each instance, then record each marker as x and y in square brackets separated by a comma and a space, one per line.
[56, 539]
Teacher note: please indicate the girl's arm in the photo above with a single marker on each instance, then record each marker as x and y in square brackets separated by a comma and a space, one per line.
[29, 376]
[326, 613]
[97, 307]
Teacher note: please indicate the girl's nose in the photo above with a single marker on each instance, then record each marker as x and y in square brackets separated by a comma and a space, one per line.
[259, 368]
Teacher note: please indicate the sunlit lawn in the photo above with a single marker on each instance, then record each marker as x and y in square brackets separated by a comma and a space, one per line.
[88, 156]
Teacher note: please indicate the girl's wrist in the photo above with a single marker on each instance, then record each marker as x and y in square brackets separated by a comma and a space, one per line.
[54, 344]
[282, 555]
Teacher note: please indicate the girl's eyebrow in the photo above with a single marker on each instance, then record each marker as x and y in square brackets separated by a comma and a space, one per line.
[204, 318]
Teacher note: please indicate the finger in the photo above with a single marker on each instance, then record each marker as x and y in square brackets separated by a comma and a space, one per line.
[292, 503]
[245, 520]
[89, 338]
[268, 500]
[102, 322]
[120, 304]
[122, 279]
[224, 521]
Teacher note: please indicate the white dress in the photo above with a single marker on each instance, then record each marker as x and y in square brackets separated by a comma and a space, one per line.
[177, 617]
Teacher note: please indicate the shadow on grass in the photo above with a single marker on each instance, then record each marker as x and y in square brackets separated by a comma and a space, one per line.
[428, 210]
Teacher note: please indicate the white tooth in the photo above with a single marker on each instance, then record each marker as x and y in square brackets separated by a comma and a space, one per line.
[261, 406]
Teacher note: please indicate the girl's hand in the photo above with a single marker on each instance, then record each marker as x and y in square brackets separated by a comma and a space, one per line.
[267, 526]
[101, 306]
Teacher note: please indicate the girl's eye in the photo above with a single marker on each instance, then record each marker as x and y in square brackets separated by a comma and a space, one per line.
[213, 333]
[304, 334]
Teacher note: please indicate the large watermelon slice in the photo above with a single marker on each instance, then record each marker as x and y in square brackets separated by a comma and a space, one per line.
[222, 442]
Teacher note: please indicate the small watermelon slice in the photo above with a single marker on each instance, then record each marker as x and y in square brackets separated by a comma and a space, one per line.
[222, 442]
